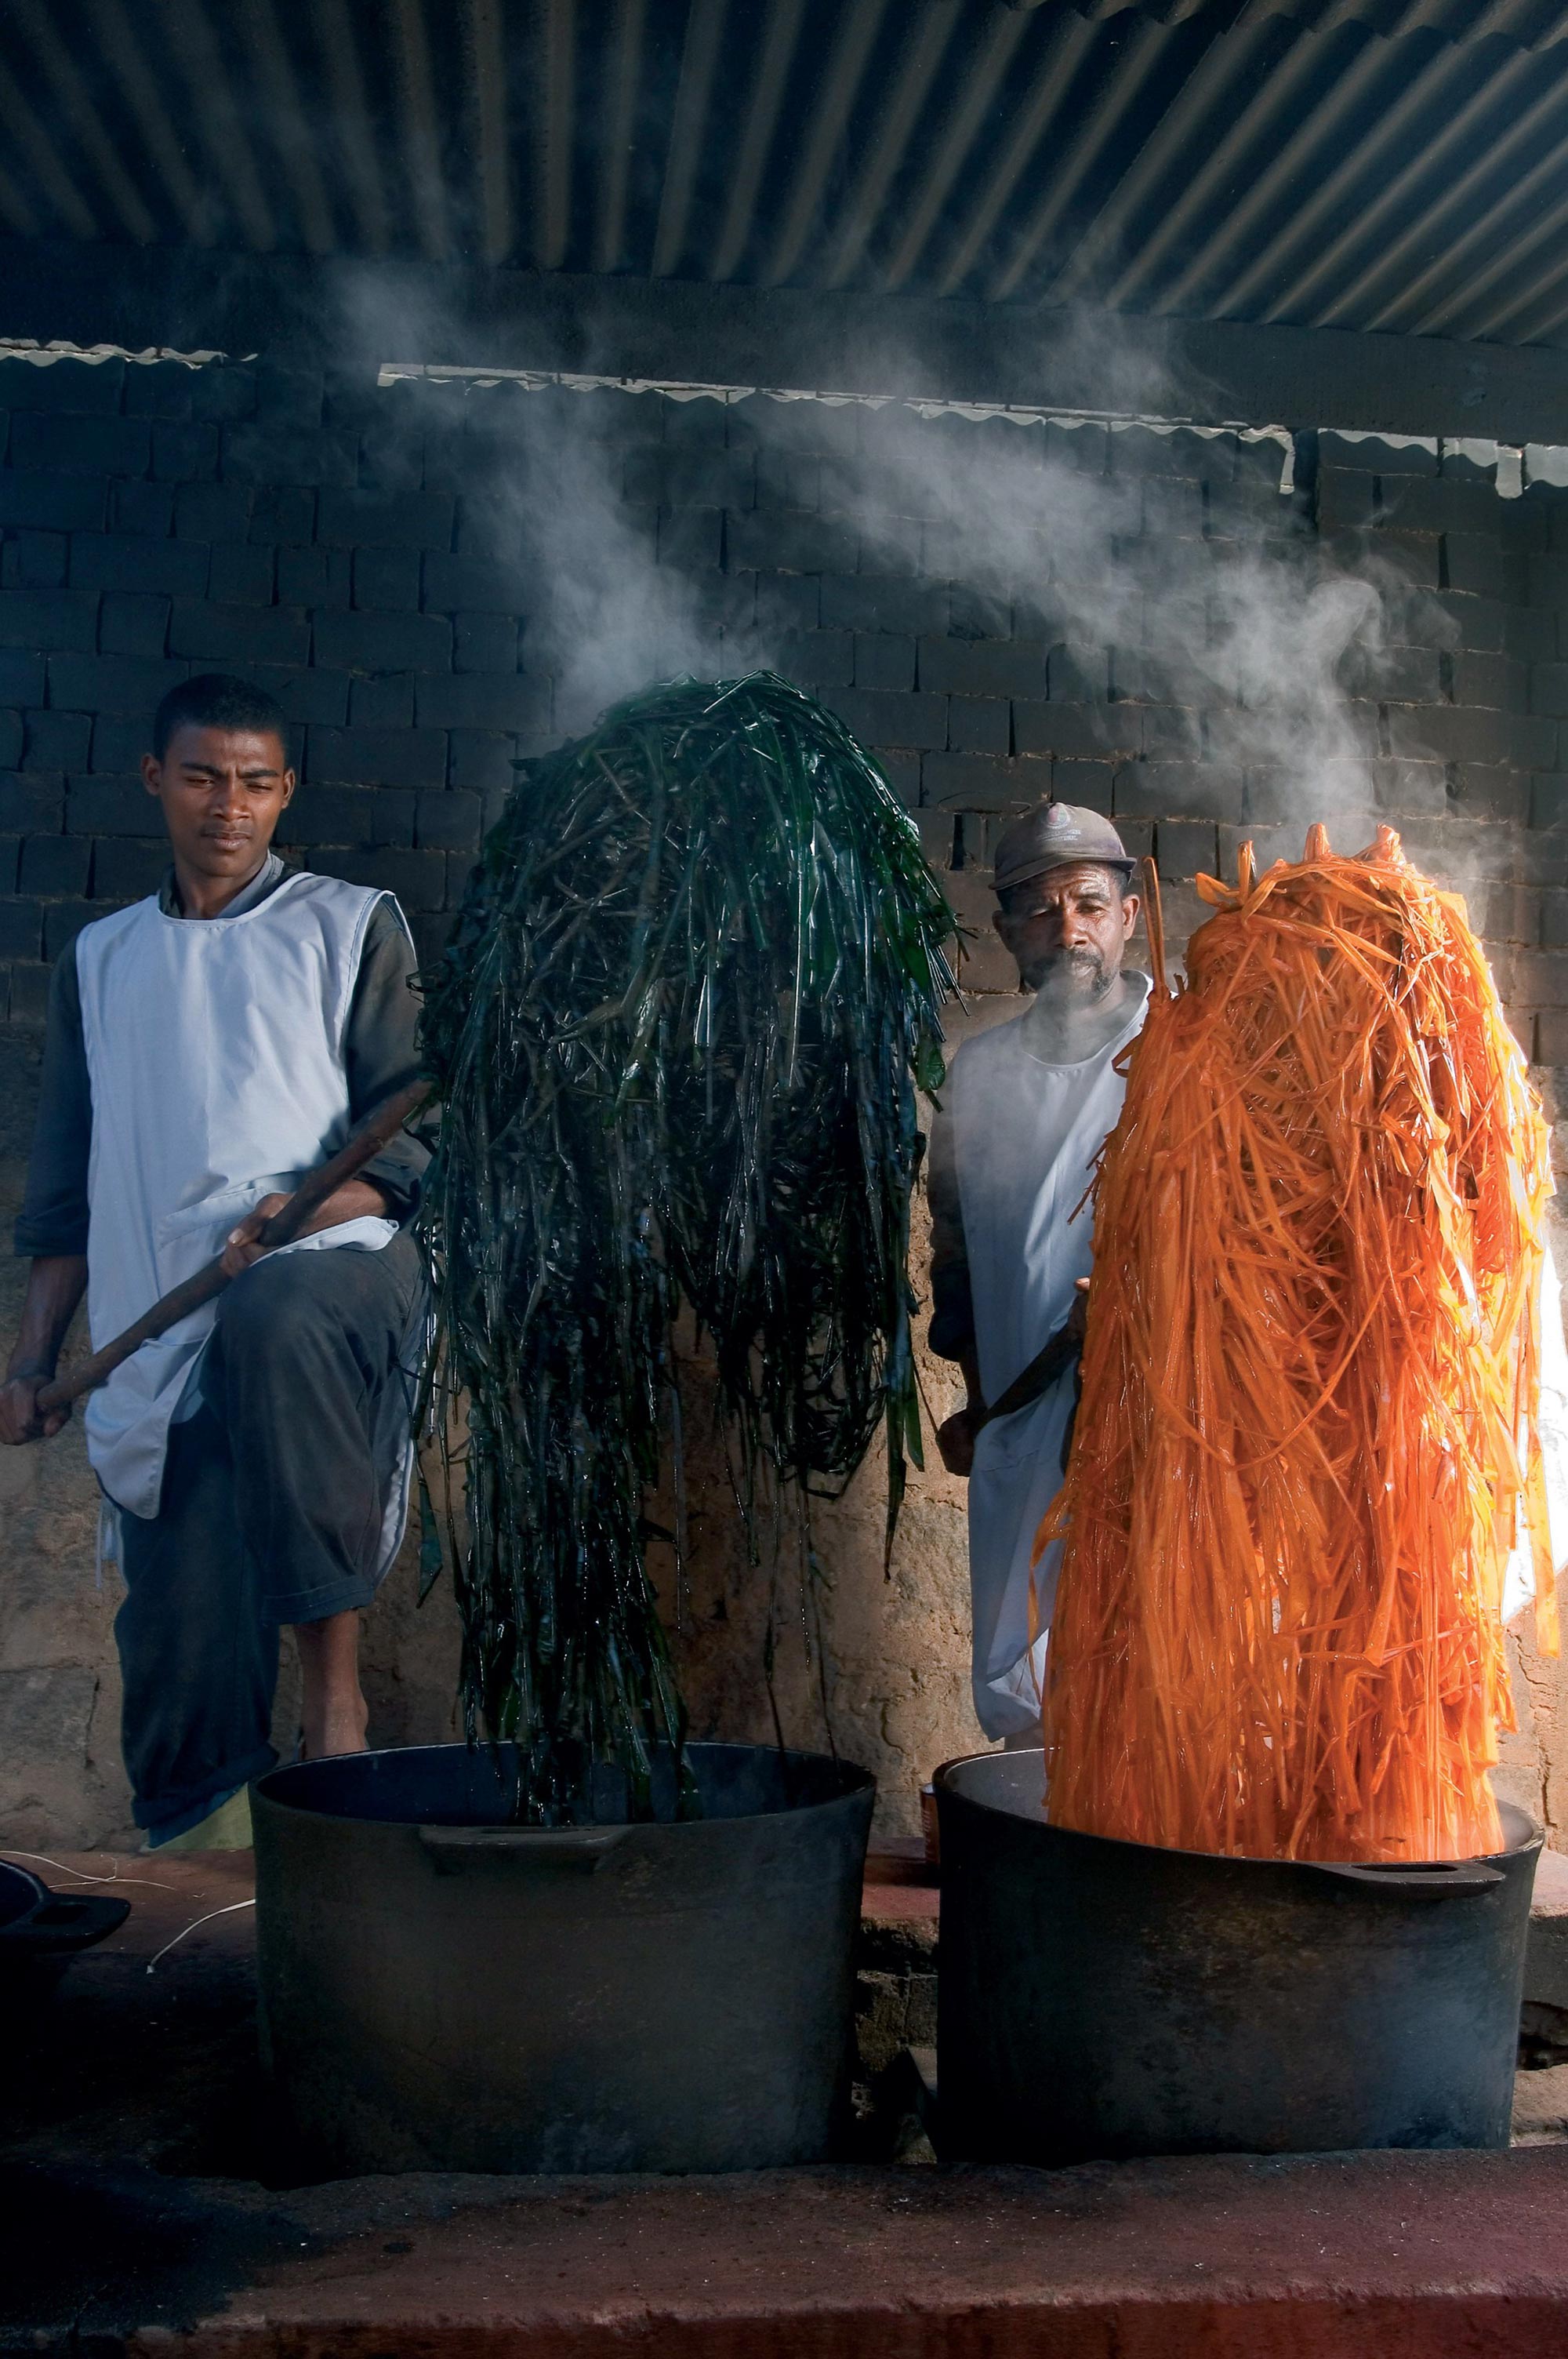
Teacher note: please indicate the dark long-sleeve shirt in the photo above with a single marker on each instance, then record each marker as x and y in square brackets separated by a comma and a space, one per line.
[379, 1053]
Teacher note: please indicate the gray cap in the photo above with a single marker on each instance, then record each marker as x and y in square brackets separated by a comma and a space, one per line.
[1057, 836]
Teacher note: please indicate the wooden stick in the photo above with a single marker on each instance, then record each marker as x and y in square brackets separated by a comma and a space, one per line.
[1154, 920]
[308, 1199]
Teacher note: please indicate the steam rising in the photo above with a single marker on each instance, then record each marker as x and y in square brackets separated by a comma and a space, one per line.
[1226, 612]
[1218, 604]
[605, 616]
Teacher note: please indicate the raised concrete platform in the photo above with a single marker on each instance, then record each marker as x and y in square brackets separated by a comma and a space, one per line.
[133, 2219]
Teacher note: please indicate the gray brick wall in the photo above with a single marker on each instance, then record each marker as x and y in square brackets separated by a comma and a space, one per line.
[346, 548]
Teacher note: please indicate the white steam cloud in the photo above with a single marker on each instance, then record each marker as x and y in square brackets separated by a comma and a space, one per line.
[1261, 650]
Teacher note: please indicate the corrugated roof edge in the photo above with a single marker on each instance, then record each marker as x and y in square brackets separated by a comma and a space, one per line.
[1524, 24]
[1513, 465]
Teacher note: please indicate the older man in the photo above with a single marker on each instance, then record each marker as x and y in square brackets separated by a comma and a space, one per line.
[1026, 1109]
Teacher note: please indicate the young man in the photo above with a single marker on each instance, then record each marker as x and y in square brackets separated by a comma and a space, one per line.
[1027, 1107]
[205, 1048]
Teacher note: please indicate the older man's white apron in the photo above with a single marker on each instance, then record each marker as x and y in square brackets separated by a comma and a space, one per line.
[1025, 1136]
[215, 1052]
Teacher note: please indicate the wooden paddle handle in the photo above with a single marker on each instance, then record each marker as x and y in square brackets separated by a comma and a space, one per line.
[308, 1199]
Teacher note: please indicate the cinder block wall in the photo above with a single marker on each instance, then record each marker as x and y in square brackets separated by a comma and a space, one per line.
[345, 546]
[348, 548]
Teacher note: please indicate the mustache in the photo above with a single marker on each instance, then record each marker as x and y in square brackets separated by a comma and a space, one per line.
[1091, 961]
[1087, 967]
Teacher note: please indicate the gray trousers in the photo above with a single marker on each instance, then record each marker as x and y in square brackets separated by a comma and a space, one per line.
[271, 1512]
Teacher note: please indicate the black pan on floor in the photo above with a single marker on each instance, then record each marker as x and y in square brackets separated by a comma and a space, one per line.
[41, 1931]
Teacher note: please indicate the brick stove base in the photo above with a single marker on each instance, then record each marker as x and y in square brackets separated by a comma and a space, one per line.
[132, 2221]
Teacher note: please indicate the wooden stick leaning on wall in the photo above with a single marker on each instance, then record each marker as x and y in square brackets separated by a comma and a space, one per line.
[375, 1133]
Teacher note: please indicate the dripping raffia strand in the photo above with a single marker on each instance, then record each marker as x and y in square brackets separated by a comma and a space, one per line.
[677, 1033]
[1307, 1441]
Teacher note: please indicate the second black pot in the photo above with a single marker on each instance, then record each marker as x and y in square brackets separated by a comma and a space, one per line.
[1110, 1999]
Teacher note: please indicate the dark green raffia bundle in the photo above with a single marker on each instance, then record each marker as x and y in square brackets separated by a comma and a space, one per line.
[677, 1034]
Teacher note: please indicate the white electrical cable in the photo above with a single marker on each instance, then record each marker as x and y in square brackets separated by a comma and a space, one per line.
[81, 1876]
[232, 1909]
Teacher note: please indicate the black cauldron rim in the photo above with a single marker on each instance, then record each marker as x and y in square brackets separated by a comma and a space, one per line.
[1447, 1875]
[849, 1779]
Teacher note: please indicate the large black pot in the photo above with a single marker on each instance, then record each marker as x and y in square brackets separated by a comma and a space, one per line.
[41, 1931]
[1107, 1999]
[443, 1990]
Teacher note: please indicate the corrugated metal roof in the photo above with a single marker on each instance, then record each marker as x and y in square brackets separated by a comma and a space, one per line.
[1400, 164]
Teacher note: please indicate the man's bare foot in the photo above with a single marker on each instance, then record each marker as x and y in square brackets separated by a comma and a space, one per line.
[333, 1714]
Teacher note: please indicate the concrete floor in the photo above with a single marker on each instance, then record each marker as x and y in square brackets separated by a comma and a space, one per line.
[136, 2219]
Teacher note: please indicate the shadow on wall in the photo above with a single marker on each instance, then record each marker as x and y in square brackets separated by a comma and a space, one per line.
[875, 1668]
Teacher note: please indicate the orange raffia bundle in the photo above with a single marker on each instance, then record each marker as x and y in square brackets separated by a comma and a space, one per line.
[1307, 1440]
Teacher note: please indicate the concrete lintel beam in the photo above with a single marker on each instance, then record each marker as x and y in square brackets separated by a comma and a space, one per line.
[1211, 372]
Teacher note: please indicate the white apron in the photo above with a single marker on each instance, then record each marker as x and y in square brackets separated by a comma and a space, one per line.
[1025, 1136]
[215, 1053]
